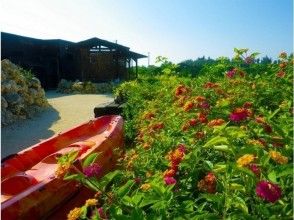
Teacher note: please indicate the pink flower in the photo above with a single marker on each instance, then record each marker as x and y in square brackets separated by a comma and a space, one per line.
[170, 180]
[255, 169]
[182, 148]
[231, 73]
[101, 213]
[92, 170]
[268, 191]
[239, 114]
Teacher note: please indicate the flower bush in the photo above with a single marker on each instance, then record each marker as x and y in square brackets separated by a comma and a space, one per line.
[211, 147]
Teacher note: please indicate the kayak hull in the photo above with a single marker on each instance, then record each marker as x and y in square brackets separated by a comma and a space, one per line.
[29, 187]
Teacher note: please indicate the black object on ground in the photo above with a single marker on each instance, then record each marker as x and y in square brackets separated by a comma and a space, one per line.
[108, 109]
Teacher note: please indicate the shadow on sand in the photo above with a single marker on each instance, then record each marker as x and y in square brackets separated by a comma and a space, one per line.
[23, 134]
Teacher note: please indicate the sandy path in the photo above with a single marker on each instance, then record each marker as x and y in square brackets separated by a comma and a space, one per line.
[66, 112]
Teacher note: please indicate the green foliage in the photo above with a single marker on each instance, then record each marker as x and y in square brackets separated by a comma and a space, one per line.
[168, 110]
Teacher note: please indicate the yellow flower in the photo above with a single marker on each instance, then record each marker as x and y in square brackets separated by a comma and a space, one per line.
[278, 157]
[245, 160]
[61, 170]
[149, 174]
[91, 202]
[145, 186]
[74, 214]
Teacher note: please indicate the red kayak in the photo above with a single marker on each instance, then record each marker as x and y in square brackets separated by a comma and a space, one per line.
[29, 187]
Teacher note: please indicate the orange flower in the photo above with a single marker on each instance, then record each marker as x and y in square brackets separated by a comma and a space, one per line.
[181, 90]
[200, 98]
[202, 117]
[188, 106]
[216, 122]
[245, 160]
[278, 157]
[169, 173]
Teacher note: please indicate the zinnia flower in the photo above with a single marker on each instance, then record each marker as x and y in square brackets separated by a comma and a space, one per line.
[268, 191]
[278, 157]
[74, 214]
[92, 170]
[170, 180]
[245, 160]
[239, 114]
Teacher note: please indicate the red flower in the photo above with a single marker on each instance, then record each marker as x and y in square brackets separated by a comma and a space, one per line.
[157, 126]
[200, 98]
[268, 191]
[199, 134]
[210, 85]
[208, 183]
[247, 105]
[193, 122]
[181, 90]
[267, 128]
[202, 118]
[185, 127]
[281, 74]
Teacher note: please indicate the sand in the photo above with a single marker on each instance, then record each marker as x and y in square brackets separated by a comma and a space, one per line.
[65, 112]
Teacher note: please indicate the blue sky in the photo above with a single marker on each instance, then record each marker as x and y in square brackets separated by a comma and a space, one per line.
[177, 29]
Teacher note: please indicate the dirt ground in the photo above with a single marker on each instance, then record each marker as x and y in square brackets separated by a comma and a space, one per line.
[66, 112]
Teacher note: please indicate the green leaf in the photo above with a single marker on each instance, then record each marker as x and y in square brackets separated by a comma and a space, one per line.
[216, 141]
[272, 176]
[104, 181]
[147, 202]
[90, 159]
[123, 190]
[285, 170]
[240, 204]
[245, 171]
[224, 148]
[73, 177]
[274, 113]
[238, 187]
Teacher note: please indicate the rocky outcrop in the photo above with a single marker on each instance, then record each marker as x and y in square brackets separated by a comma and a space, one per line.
[21, 94]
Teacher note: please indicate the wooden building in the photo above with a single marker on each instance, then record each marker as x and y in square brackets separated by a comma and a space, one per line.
[93, 60]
